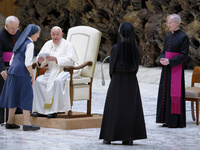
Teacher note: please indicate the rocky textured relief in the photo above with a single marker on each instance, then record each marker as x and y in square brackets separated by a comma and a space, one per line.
[147, 16]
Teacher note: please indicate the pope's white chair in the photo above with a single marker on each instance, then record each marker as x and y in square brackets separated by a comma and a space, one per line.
[86, 41]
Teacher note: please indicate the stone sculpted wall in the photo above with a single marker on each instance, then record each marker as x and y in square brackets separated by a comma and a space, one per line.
[147, 16]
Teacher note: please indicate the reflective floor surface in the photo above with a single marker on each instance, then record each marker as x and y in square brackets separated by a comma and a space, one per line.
[159, 138]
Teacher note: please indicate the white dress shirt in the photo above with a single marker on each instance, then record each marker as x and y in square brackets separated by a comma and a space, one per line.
[28, 54]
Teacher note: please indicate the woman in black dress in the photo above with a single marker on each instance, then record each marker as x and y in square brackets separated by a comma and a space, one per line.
[123, 118]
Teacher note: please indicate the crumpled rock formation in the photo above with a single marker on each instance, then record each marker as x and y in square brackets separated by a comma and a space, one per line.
[147, 16]
[2, 21]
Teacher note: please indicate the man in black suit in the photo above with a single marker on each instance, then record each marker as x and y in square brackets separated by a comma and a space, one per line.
[8, 37]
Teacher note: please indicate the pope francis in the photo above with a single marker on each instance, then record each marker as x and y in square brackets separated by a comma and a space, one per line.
[51, 90]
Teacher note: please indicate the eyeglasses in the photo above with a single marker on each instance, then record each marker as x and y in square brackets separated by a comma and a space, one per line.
[14, 28]
[169, 23]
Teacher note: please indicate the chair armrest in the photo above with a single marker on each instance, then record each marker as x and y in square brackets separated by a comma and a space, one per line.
[71, 68]
[39, 71]
[34, 65]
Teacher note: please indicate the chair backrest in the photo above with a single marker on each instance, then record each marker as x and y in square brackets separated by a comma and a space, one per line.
[196, 75]
[86, 41]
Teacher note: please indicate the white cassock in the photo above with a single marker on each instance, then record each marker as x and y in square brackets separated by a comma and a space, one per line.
[51, 90]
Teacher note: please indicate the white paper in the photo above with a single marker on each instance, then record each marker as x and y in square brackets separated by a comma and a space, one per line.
[43, 55]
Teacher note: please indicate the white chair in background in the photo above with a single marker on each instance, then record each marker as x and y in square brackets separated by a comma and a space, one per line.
[86, 41]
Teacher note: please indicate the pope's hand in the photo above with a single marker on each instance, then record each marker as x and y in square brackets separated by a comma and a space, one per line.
[51, 58]
[40, 59]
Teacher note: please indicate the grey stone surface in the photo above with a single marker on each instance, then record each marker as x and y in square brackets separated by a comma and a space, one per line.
[87, 139]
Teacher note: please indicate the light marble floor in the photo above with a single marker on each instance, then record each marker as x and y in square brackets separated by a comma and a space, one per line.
[87, 139]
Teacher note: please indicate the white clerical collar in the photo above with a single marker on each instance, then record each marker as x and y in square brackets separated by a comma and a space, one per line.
[175, 30]
[30, 39]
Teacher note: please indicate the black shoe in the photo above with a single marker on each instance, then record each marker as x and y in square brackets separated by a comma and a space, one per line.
[30, 127]
[12, 126]
[35, 114]
[54, 115]
[106, 142]
[164, 125]
[172, 127]
[128, 142]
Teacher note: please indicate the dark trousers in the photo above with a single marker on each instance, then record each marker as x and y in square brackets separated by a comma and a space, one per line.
[3, 117]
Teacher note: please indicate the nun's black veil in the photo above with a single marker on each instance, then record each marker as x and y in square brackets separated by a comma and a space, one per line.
[128, 54]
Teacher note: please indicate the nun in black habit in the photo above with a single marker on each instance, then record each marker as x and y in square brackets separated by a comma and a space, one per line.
[123, 118]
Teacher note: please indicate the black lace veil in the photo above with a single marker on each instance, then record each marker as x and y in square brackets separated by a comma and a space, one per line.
[128, 54]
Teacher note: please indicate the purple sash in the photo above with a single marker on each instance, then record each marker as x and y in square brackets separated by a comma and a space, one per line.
[7, 56]
[176, 74]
